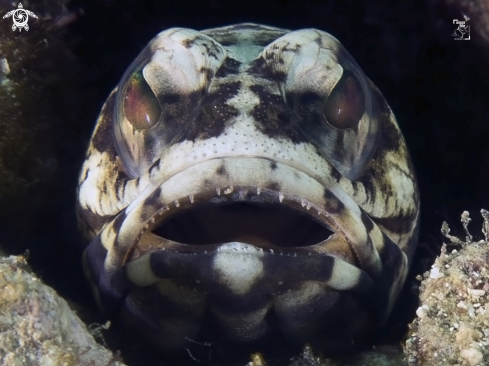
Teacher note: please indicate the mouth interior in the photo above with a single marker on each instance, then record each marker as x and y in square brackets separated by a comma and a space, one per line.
[269, 225]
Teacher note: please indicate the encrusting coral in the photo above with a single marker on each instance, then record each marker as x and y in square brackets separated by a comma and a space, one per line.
[452, 324]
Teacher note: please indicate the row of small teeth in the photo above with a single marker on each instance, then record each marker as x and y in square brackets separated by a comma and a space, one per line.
[228, 190]
[261, 250]
[304, 203]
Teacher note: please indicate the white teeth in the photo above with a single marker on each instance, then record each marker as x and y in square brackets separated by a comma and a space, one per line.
[218, 191]
[303, 202]
[280, 197]
[258, 191]
[162, 210]
[308, 206]
[228, 190]
[177, 204]
[191, 198]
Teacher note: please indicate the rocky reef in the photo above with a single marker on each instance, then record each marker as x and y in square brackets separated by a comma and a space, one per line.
[38, 327]
[49, 100]
[452, 323]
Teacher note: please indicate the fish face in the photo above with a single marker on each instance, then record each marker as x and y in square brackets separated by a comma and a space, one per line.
[251, 177]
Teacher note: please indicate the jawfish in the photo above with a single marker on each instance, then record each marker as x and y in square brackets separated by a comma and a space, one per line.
[253, 176]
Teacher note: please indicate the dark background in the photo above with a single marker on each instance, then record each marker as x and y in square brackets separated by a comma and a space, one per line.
[436, 86]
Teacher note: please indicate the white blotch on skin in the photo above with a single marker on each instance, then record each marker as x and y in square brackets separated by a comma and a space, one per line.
[140, 273]
[239, 266]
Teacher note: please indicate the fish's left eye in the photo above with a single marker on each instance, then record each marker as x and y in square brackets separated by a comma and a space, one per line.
[345, 105]
[141, 107]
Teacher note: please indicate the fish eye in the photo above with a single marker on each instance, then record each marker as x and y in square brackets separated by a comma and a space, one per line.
[345, 105]
[140, 104]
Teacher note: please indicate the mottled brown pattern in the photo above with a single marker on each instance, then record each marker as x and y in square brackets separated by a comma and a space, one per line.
[213, 209]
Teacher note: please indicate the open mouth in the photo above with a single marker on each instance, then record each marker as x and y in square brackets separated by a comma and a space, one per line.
[276, 215]
[263, 218]
[273, 225]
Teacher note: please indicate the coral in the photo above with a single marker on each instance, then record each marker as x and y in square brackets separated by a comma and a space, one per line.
[452, 324]
[385, 357]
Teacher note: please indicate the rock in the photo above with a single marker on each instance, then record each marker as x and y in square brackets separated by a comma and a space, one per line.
[37, 327]
[387, 356]
[453, 328]
[472, 355]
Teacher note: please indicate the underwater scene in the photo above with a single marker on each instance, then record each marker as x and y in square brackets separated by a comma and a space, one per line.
[266, 183]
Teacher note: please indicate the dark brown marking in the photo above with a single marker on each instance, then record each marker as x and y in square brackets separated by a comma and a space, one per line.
[367, 222]
[230, 66]
[84, 176]
[369, 184]
[209, 74]
[332, 205]
[187, 43]
[272, 117]
[336, 174]
[274, 186]
[214, 113]
[93, 221]
[152, 203]
[102, 140]
[119, 220]
[401, 224]
[260, 68]
[104, 187]
[154, 165]
[308, 98]
[221, 170]
[391, 137]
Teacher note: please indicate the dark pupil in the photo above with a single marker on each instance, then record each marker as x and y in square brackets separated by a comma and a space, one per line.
[346, 103]
[141, 107]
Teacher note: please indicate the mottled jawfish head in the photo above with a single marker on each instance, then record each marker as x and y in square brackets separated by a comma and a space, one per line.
[253, 176]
